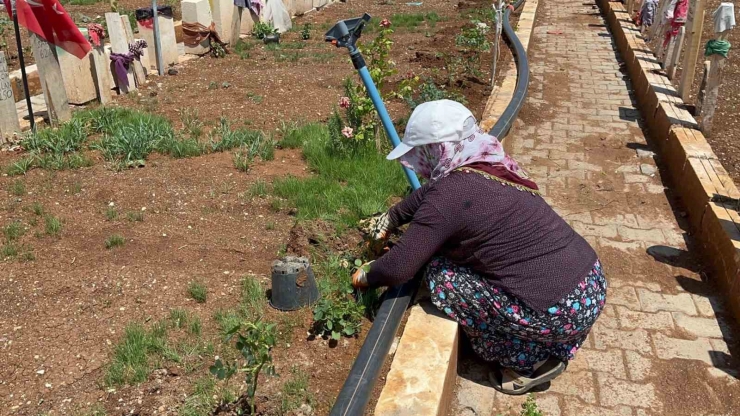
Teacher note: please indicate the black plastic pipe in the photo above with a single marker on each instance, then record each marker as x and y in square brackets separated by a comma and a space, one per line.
[355, 393]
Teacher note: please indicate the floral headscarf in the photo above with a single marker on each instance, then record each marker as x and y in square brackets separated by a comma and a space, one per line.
[435, 161]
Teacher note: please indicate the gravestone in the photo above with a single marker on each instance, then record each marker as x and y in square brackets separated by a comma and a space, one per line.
[52, 83]
[248, 19]
[167, 41]
[78, 75]
[8, 115]
[139, 73]
[222, 11]
[197, 11]
[119, 44]
[101, 73]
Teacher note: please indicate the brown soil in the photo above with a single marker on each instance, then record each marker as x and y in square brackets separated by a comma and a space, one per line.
[63, 312]
[726, 124]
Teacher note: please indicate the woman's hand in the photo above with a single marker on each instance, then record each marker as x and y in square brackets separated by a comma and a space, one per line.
[359, 278]
[377, 227]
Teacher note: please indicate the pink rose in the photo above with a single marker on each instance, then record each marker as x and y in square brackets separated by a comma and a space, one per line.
[344, 102]
[385, 23]
[347, 132]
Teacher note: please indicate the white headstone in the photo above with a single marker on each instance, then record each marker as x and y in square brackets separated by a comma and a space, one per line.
[166, 38]
[78, 76]
[248, 20]
[139, 72]
[101, 74]
[197, 11]
[119, 44]
[222, 14]
[8, 116]
[52, 83]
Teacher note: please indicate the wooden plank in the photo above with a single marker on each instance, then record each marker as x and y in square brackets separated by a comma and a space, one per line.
[711, 95]
[676, 53]
[8, 115]
[52, 82]
[139, 73]
[101, 74]
[119, 44]
[695, 24]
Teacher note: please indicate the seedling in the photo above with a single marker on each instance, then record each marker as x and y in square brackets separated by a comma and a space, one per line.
[53, 225]
[295, 391]
[529, 407]
[114, 241]
[262, 29]
[20, 167]
[259, 189]
[306, 32]
[254, 341]
[13, 231]
[198, 291]
[179, 318]
[111, 214]
[17, 188]
[37, 209]
[337, 317]
[135, 216]
[242, 160]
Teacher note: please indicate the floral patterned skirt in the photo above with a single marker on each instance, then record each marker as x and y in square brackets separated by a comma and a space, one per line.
[503, 329]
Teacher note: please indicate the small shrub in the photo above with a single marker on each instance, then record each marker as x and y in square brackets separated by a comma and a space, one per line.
[53, 225]
[17, 188]
[474, 37]
[529, 407]
[135, 216]
[337, 317]
[13, 231]
[254, 341]
[306, 31]
[114, 240]
[262, 29]
[111, 213]
[20, 167]
[198, 291]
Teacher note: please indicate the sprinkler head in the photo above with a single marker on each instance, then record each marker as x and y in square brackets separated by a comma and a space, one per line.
[345, 33]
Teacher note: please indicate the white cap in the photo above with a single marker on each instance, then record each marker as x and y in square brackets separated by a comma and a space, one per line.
[435, 122]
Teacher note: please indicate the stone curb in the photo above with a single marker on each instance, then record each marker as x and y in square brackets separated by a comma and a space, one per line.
[706, 189]
[423, 374]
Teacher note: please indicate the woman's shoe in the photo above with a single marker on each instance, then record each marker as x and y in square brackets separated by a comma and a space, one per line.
[508, 381]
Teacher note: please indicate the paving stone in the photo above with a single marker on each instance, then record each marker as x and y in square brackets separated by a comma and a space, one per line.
[671, 348]
[636, 234]
[574, 408]
[610, 361]
[636, 340]
[629, 319]
[629, 220]
[615, 392]
[630, 178]
[609, 231]
[474, 397]
[624, 295]
[654, 302]
[575, 383]
[707, 305]
[638, 366]
[730, 375]
[641, 153]
[700, 327]
[647, 169]
[621, 245]
[653, 188]
[635, 281]
[548, 404]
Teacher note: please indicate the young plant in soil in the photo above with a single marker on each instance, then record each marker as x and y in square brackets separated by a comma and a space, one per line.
[114, 240]
[254, 341]
[338, 317]
[198, 291]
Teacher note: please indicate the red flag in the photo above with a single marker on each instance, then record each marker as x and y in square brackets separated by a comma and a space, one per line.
[48, 19]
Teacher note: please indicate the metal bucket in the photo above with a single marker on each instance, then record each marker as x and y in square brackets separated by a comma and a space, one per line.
[293, 284]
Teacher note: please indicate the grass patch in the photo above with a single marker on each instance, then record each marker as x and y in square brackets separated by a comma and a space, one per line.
[256, 98]
[276, 205]
[53, 225]
[203, 399]
[295, 391]
[258, 189]
[13, 231]
[17, 188]
[9, 251]
[251, 306]
[242, 160]
[111, 214]
[412, 20]
[114, 240]
[135, 216]
[198, 291]
[37, 209]
[20, 167]
[344, 189]
[179, 318]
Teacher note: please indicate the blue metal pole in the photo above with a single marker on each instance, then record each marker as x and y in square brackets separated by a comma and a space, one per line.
[390, 130]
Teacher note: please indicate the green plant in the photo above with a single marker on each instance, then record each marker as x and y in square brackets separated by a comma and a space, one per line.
[198, 291]
[37, 209]
[195, 326]
[20, 167]
[17, 188]
[111, 214]
[337, 317]
[529, 407]
[130, 363]
[135, 216]
[114, 240]
[474, 38]
[53, 225]
[255, 97]
[429, 91]
[191, 120]
[243, 47]
[181, 147]
[9, 250]
[226, 319]
[133, 138]
[203, 399]
[179, 318]
[306, 31]
[213, 85]
[254, 341]
[270, 226]
[253, 298]
[13, 231]
[258, 188]
[276, 205]
[262, 29]
[242, 160]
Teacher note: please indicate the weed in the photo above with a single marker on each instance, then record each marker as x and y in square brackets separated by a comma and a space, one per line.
[243, 47]
[76, 188]
[13, 231]
[114, 240]
[202, 401]
[53, 226]
[276, 205]
[255, 342]
[213, 85]
[306, 31]
[529, 407]
[293, 134]
[37, 209]
[253, 298]
[191, 120]
[337, 317]
[474, 38]
[255, 97]
[28, 256]
[242, 160]
[132, 140]
[262, 29]
[412, 20]
[181, 147]
[95, 410]
[258, 189]
[226, 320]
[111, 214]
[9, 250]
[429, 91]
[230, 138]
[195, 326]
[20, 167]
[295, 391]
[130, 363]
[270, 226]
[198, 291]
[179, 318]
[17, 188]
[135, 216]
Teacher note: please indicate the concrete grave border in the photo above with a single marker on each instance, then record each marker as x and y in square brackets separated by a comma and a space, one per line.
[423, 373]
[709, 195]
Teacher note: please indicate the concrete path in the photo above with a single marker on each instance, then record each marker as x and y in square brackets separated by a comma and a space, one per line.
[662, 346]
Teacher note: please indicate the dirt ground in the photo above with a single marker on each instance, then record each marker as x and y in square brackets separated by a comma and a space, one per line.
[63, 312]
[726, 124]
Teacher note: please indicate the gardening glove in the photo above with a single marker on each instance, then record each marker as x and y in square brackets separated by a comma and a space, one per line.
[378, 227]
[359, 278]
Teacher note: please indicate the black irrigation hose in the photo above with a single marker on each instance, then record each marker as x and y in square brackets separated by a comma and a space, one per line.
[355, 393]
